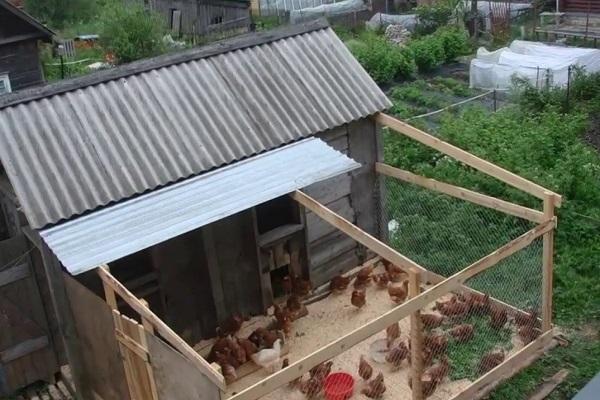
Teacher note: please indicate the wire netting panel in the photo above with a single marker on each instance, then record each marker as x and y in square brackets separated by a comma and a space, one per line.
[442, 233]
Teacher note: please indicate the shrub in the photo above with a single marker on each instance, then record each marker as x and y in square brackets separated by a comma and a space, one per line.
[131, 32]
[383, 60]
[428, 52]
[59, 13]
[431, 17]
[455, 42]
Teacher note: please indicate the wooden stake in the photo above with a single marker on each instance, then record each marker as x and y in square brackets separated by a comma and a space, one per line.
[416, 339]
[548, 265]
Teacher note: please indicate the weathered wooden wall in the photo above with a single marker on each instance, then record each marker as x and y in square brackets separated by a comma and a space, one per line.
[21, 61]
[96, 331]
[354, 196]
[26, 343]
[176, 377]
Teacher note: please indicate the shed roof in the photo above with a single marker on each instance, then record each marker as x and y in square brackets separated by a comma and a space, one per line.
[133, 225]
[40, 31]
[77, 145]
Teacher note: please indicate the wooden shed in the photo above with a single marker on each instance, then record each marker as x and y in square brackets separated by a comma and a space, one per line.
[20, 65]
[204, 17]
[182, 191]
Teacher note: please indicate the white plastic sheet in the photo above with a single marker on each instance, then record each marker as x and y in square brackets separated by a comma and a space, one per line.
[380, 20]
[538, 63]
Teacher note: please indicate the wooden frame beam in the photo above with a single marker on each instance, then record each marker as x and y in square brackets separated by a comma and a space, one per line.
[364, 332]
[163, 329]
[548, 266]
[416, 339]
[462, 193]
[362, 237]
[466, 157]
[508, 368]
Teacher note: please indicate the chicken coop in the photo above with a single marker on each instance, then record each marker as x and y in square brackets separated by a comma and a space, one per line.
[200, 216]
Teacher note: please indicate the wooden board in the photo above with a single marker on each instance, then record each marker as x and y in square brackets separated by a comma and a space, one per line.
[94, 323]
[317, 228]
[176, 378]
[331, 189]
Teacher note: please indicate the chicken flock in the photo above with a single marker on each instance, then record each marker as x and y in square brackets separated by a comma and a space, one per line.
[445, 322]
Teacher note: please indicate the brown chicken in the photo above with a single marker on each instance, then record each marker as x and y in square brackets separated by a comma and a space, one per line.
[248, 346]
[284, 321]
[263, 338]
[478, 303]
[528, 333]
[381, 280]
[392, 333]
[395, 273]
[431, 321]
[439, 305]
[293, 303]
[365, 273]
[339, 283]
[490, 361]
[526, 319]
[223, 347]
[312, 387]
[358, 299]
[396, 355]
[301, 287]
[463, 333]
[227, 369]
[498, 317]
[365, 370]
[439, 371]
[398, 293]
[376, 388]
[238, 352]
[322, 370]
[454, 308]
[361, 283]
[437, 344]
[230, 326]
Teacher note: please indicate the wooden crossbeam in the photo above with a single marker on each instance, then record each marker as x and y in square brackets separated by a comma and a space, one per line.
[462, 193]
[357, 234]
[466, 157]
[163, 329]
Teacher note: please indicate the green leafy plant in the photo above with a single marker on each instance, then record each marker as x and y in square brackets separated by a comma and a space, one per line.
[431, 17]
[428, 52]
[455, 42]
[131, 32]
[59, 13]
[383, 60]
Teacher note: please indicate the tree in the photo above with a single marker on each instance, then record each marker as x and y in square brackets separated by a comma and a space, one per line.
[131, 32]
[57, 13]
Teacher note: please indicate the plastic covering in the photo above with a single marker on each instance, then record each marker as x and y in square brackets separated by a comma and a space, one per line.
[379, 20]
[327, 10]
[485, 9]
[538, 63]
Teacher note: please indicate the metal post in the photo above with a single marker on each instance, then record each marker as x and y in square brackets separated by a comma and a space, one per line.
[568, 106]
[495, 101]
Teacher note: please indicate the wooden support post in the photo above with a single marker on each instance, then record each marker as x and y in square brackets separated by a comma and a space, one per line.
[548, 266]
[145, 323]
[66, 322]
[127, 362]
[416, 339]
[109, 293]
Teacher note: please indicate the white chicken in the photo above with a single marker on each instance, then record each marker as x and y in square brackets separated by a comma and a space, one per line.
[269, 359]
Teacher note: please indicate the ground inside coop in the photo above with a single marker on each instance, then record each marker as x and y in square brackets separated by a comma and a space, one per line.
[332, 317]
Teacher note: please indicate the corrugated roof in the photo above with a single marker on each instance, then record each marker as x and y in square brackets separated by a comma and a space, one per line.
[130, 226]
[80, 148]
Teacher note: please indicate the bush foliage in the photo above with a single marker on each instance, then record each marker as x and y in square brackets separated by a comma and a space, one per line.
[383, 60]
[432, 17]
[131, 32]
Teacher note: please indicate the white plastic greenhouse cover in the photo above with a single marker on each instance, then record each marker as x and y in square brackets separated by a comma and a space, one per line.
[536, 62]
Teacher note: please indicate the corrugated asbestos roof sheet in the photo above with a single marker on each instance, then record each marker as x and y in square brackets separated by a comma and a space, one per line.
[79, 149]
[125, 228]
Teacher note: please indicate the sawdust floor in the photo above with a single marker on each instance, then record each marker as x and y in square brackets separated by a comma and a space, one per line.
[330, 318]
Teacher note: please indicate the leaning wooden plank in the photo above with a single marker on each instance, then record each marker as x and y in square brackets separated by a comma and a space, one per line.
[163, 329]
[508, 368]
[64, 390]
[548, 387]
[132, 329]
[127, 359]
[131, 344]
[144, 344]
[338, 346]
[462, 193]
[465, 157]
[23, 348]
[416, 340]
[548, 266]
[356, 233]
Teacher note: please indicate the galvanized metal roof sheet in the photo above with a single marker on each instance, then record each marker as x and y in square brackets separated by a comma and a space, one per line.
[80, 149]
[130, 226]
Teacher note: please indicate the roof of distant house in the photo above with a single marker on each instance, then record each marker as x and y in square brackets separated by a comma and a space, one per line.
[77, 145]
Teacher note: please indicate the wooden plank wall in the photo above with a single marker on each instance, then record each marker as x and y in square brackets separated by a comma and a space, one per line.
[185, 285]
[22, 62]
[176, 377]
[352, 195]
[95, 326]
[26, 351]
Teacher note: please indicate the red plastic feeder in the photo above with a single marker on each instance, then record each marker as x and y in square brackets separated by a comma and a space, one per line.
[339, 386]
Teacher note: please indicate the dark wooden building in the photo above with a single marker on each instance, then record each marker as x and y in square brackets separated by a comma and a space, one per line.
[183, 192]
[204, 17]
[20, 33]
